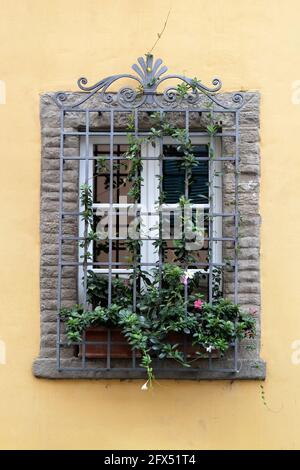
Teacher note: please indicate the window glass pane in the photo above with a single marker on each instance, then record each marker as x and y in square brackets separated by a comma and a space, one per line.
[101, 174]
[120, 253]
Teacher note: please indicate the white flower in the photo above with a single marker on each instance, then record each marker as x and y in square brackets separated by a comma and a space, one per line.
[189, 274]
[145, 386]
[209, 349]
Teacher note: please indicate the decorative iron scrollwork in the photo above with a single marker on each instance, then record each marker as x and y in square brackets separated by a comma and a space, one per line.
[149, 76]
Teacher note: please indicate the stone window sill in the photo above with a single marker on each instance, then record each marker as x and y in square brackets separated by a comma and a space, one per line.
[248, 370]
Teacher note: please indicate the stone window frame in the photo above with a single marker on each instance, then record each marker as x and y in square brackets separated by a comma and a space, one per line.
[45, 366]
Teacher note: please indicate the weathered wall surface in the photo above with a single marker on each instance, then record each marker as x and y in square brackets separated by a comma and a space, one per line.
[46, 46]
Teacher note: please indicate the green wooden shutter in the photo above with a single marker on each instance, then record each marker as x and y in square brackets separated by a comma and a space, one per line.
[173, 176]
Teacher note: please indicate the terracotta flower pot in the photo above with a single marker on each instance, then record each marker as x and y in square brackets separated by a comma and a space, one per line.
[184, 342]
[120, 349]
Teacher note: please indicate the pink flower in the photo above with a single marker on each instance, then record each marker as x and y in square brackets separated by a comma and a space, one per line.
[198, 304]
[252, 311]
[184, 280]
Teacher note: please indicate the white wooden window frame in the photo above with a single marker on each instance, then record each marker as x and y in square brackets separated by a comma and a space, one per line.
[149, 196]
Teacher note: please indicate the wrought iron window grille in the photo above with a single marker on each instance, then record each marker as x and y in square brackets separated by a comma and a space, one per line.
[101, 117]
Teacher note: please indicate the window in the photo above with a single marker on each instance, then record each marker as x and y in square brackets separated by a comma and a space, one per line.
[85, 142]
[173, 182]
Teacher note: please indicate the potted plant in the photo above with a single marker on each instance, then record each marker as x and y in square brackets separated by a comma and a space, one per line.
[162, 316]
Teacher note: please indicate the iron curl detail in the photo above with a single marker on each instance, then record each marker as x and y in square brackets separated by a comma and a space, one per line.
[170, 95]
[238, 98]
[60, 98]
[81, 82]
[217, 84]
[129, 97]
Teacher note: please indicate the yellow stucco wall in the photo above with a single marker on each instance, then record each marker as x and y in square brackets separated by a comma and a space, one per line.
[45, 46]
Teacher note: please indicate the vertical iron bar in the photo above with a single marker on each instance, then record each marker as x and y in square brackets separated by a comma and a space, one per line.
[118, 183]
[236, 224]
[111, 176]
[86, 228]
[160, 187]
[86, 222]
[134, 280]
[211, 206]
[60, 241]
[211, 224]
[186, 195]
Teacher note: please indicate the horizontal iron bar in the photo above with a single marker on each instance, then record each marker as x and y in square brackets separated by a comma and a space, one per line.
[128, 369]
[108, 158]
[150, 110]
[125, 264]
[213, 239]
[102, 343]
[217, 214]
[96, 263]
[144, 134]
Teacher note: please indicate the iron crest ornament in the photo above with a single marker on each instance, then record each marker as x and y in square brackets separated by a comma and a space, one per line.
[150, 74]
